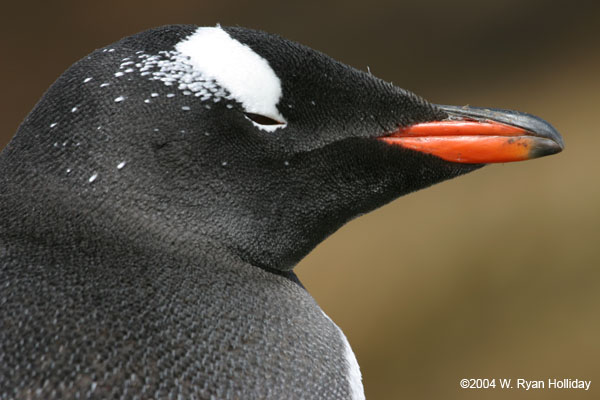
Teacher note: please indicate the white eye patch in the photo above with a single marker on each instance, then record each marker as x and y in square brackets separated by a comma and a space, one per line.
[212, 65]
[237, 68]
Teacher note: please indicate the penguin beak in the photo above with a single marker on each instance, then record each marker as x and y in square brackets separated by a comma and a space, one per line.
[472, 135]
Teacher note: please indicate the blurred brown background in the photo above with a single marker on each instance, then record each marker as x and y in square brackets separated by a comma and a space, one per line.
[492, 275]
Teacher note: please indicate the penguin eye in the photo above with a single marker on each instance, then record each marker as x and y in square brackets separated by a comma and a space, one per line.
[262, 120]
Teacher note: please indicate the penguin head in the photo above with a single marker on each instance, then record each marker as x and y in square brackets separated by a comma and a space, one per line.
[242, 138]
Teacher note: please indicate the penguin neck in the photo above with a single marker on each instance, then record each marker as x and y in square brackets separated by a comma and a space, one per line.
[270, 219]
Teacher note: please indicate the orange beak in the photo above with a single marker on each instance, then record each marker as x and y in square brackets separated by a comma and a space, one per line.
[473, 135]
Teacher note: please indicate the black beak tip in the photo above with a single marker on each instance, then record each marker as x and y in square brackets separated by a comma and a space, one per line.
[545, 147]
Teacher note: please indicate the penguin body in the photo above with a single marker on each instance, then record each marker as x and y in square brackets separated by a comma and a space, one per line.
[156, 199]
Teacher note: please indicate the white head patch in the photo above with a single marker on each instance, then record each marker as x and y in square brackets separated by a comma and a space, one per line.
[212, 65]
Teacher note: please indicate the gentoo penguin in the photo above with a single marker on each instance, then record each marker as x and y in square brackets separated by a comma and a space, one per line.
[156, 200]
